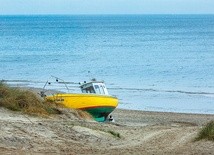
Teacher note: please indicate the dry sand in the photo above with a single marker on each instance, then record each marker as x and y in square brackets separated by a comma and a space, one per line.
[140, 133]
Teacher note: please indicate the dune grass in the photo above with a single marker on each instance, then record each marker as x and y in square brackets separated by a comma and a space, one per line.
[25, 101]
[82, 114]
[115, 134]
[207, 132]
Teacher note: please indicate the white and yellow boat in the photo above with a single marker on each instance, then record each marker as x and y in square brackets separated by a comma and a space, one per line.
[94, 99]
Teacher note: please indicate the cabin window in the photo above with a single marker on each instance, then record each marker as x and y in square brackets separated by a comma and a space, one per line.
[99, 89]
[96, 86]
[90, 90]
[102, 89]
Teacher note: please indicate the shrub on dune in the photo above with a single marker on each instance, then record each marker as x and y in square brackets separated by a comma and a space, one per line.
[206, 132]
[21, 100]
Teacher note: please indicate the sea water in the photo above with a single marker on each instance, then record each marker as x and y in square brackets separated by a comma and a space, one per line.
[150, 62]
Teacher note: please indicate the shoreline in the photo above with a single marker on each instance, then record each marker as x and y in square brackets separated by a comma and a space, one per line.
[179, 101]
[138, 117]
[150, 111]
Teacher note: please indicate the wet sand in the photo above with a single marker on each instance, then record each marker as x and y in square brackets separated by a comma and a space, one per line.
[136, 132]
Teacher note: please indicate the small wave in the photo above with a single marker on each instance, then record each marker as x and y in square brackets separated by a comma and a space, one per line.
[192, 93]
[167, 91]
[32, 81]
[134, 89]
[21, 81]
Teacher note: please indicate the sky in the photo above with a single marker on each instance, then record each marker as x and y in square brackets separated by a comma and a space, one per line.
[26, 7]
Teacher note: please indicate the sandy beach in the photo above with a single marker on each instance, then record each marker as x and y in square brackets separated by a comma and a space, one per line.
[136, 132]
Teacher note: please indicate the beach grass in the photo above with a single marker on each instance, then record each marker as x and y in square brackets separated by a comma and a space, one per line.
[115, 134]
[82, 114]
[25, 101]
[207, 132]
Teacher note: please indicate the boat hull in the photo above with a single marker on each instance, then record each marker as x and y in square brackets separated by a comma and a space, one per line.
[99, 106]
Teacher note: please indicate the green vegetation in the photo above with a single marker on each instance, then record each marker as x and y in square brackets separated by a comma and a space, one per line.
[82, 114]
[206, 132]
[25, 101]
[115, 134]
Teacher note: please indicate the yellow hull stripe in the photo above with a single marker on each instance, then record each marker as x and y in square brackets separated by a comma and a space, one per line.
[84, 101]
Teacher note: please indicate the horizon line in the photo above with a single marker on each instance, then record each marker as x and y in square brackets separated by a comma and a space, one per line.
[94, 14]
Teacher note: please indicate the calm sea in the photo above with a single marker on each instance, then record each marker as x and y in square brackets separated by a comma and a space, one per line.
[150, 62]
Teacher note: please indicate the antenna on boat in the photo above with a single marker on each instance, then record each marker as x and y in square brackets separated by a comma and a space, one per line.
[57, 80]
[42, 93]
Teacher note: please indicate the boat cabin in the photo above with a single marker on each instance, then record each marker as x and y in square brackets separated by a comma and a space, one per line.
[94, 87]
